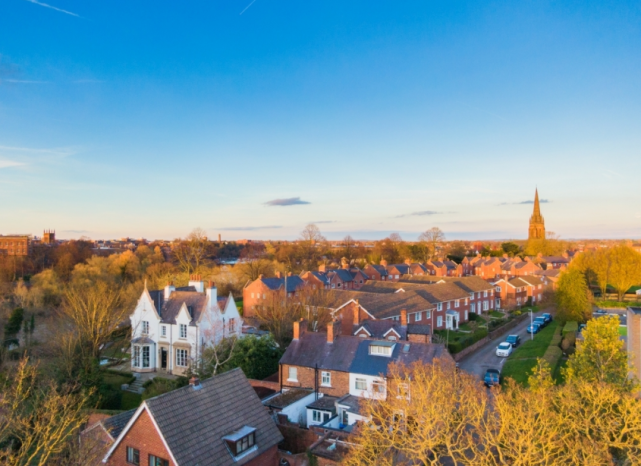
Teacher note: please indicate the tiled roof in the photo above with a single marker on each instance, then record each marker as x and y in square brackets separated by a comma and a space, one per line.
[419, 329]
[327, 403]
[379, 268]
[352, 354]
[432, 292]
[193, 422]
[115, 424]
[556, 259]
[294, 283]
[381, 305]
[378, 328]
[171, 308]
[517, 282]
[532, 280]
[286, 398]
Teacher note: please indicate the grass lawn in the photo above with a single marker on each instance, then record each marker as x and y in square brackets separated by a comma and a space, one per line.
[115, 380]
[521, 362]
[623, 331]
[465, 327]
[129, 400]
[558, 375]
[498, 314]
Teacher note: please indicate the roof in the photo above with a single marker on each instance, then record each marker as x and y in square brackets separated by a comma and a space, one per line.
[379, 268]
[419, 329]
[352, 354]
[115, 424]
[556, 259]
[197, 301]
[379, 328]
[532, 280]
[518, 281]
[636, 310]
[286, 398]
[432, 292]
[294, 282]
[193, 422]
[381, 305]
[327, 403]
[352, 402]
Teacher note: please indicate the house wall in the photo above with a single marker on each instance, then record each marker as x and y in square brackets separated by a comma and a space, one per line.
[296, 411]
[268, 458]
[369, 393]
[634, 342]
[14, 245]
[339, 387]
[256, 294]
[144, 437]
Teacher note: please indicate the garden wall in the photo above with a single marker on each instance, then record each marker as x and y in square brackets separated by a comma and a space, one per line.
[490, 336]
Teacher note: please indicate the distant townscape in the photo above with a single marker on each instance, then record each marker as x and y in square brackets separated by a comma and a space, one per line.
[199, 351]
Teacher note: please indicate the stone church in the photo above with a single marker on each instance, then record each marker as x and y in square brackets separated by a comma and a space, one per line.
[537, 225]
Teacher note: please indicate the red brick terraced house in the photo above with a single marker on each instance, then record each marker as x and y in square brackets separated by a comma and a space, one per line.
[485, 267]
[263, 291]
[376, 272]
[219, 421]
[15, 245]
[444, 268]
[344, 278]
[345, 369]
[513, 292]
[555, 262]
[519, 268]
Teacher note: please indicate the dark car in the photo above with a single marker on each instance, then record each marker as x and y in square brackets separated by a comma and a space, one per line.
[581, 327]
[534, 328]
[514, 340]
[541, 321]
[492, 377]
[548, 317]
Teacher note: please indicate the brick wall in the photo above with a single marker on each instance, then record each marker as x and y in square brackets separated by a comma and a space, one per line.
[268, 458]
[634, 342]
[144, 437]
[340, 380]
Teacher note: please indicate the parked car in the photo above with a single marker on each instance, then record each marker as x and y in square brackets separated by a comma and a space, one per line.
[513, 340]
[548, 317]
[541, 321]
[581, 327]
[504, 349]
[601, 312]
[492, 377]
[534, 328]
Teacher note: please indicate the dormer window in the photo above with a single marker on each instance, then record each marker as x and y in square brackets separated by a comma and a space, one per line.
[183, 331]
[381, 350]
[241, 442]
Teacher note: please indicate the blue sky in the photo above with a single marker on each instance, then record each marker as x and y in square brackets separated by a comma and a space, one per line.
[121, 118]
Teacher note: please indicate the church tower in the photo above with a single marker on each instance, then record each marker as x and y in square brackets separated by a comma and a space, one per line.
[537, 225]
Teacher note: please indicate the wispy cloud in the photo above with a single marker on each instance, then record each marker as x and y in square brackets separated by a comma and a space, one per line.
[422, 213]
[24, 81]
[9, 164]
[286, 202]
[542, 201]
[245, 9]
[35, 2]
[270, 227]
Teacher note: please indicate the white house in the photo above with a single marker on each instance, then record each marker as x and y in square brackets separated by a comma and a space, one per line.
[170, 327]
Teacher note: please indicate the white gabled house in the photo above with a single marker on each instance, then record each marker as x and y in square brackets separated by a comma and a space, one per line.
[171, 327]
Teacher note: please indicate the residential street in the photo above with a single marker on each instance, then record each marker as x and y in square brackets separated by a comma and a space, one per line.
[485, 357]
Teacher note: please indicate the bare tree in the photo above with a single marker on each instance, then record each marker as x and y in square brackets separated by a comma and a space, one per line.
[94, 312]
[310, 241]
[191, 252]
[432, 238]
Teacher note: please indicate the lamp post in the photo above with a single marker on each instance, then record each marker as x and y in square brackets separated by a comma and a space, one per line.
[531, 326]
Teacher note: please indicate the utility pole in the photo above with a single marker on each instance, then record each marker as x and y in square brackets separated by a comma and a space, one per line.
[531, 326]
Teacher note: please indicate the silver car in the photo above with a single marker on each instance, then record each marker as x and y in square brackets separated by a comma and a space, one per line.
[504, 349]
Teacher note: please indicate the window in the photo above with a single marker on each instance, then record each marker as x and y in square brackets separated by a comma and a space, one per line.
[326, 379]
[478, 295]
[232, 324]
[439, 321]
[449, 304]
[360, 384]
[241, 441]
[264, 296]
[380, 350]
[292, 374]
[379, 388]
[136, 358]
[485, 294]
[498, 289]
[403, 390]
[439, 307]
[316, 416]
[485, 305]
[145, 356]
[252, 295]
[466, 302]
[418, 316]
[457, 303]
[428, 314]
[473, 308]
[163, 330]
[391, 338]
[183, 331]
[133, 456]
[145, 327]
[155, 461]
[181, 357]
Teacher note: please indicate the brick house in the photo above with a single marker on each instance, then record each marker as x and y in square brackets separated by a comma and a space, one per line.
[550, 277]
[344, 278]
[263, 291]
[555, 262]
[346, 367]
[219, 421]
[517, 267]
[485, 267]
[15, 245]
[513, 292]
[535, 288]
[444, 268]
[375, 272]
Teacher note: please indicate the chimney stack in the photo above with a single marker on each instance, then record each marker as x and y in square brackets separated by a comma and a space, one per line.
[383, 263]
[169, 289]
[357, 313]
[196, 282]
[212, 294]
[333, 329]
[322, 268]
[279, 275]
[403, 317]
[408, 261]
[220, 239]
[300, 327]
[261, 276]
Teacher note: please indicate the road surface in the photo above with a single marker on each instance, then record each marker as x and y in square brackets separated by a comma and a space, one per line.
[485, 357]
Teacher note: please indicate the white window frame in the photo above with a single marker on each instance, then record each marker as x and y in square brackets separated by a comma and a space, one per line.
[362, 382]
[326, 379]
[380, 350]
[183, 331]
[418, 316]
[292, 374]
[439, 321]
[181, 357]
[163, 330]
[439, 306]
[428, 314]
[145, 327]
[457, 303]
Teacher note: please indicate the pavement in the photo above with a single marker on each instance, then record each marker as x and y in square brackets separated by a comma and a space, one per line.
[485, 357]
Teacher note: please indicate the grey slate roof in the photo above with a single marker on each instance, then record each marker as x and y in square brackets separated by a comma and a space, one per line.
[351, 354]
[378, 328]
[193, 422]
[115, 424]
[326, 403]
[294, 283]
[171, 307]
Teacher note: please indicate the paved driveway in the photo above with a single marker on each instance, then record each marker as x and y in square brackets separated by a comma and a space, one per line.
[485, 357]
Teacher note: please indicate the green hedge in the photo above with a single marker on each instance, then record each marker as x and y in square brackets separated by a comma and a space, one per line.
[556, 340]
[553, 356]
[129, 375]
[571, 327]
[461, 343]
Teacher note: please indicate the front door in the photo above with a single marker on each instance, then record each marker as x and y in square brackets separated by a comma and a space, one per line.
[163, 358]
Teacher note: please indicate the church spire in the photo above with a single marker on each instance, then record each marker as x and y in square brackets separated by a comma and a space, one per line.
[537, 207]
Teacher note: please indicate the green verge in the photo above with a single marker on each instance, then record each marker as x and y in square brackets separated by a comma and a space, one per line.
[623, 331]
[521, 362]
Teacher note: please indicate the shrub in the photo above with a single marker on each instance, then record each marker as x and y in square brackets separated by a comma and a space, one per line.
[517, 313]
[570, 351]
[553, 356]
[572, 326]
[556, 340]
[159, 385]
[129, 375]
[455, 347]
[474, 317]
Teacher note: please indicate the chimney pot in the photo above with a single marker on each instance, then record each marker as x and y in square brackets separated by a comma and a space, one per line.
[279, 275]
[289, 274]
[261, 276]
[300, 327]
[332, 331]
